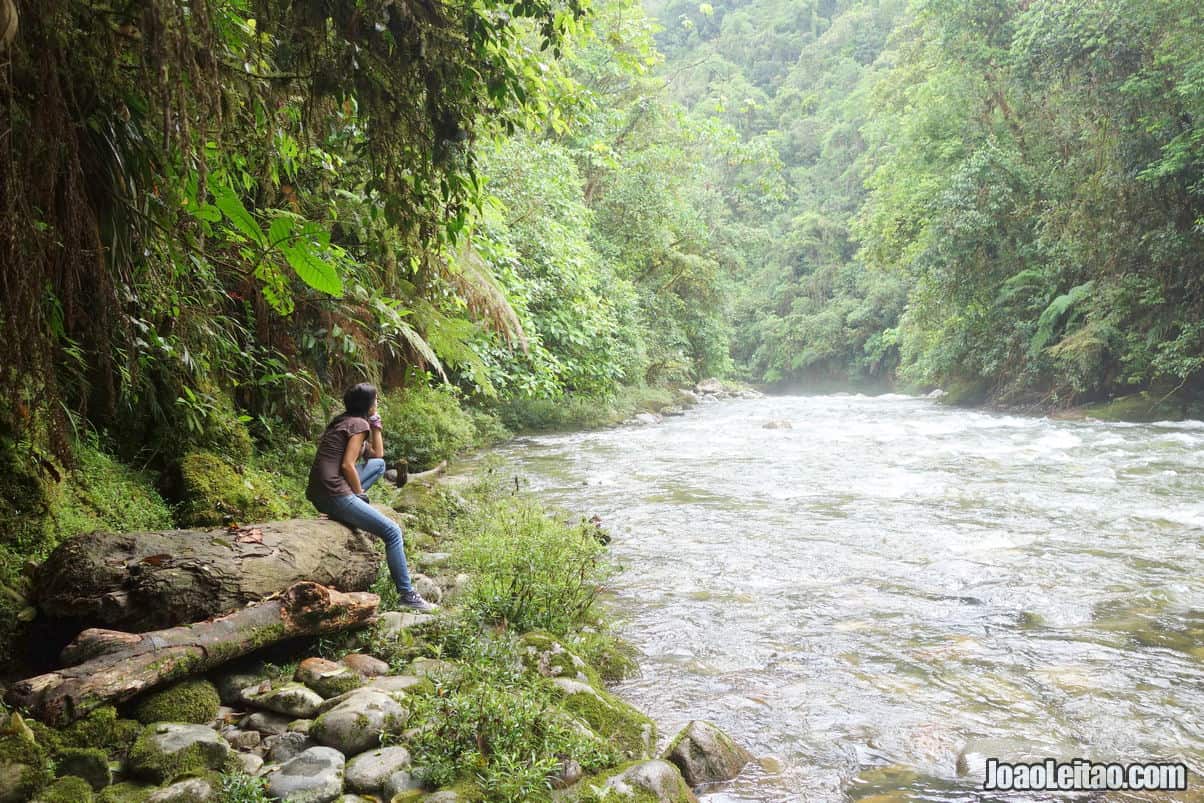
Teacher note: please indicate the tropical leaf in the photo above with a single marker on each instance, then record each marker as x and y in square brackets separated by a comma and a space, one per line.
[313, 270]
[423, 349]
[470, 275]
[1050, 319]
[226, 200]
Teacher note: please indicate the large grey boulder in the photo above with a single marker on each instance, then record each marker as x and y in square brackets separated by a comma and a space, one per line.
[248, 763]
[705, 754]
[392, 623]
[428, 588]
[242, 739]
[166, 750]
[192, 790]
[432, 668]
[266, 722]
[400, 782]
[368, 772]
[287, 746]
[356, 722]
[292, 699]
[657, 778]
[395, 683]
[315, 776]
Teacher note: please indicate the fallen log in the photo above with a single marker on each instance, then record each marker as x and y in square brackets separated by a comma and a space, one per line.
[425, 476]
[146, 581]
[118, 666]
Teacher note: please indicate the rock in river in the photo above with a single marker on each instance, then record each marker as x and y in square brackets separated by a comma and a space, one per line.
[705, 754]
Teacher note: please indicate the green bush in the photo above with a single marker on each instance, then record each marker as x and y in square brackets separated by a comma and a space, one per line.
[424, 425]
[242, 788]
[497, 727]
[529, 569]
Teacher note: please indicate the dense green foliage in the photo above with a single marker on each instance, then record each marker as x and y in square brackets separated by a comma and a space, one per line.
[225, 213]
[1005, 197]
[532, 571]
[216, 215]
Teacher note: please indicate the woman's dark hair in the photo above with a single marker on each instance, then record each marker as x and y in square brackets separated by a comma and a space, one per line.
[359, 399]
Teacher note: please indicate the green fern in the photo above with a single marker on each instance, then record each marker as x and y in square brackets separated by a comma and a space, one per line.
[1054, 314]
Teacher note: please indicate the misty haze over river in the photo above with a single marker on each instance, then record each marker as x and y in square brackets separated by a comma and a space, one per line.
[892, 589]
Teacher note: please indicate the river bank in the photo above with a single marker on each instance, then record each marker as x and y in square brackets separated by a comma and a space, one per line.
[500, 697]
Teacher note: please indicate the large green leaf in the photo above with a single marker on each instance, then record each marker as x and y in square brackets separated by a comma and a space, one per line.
[231, 206]
[313, 270]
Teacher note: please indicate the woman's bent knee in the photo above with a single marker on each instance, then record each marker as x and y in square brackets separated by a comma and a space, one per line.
[391, 535]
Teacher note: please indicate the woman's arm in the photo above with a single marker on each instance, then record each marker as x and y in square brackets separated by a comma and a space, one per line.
[351, 453]
[376, 439]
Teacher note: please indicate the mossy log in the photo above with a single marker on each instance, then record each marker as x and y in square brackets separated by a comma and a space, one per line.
[146, 581]
[119, 666]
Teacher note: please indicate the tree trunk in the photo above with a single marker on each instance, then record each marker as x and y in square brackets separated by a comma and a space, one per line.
[146, 581]
[117, 666]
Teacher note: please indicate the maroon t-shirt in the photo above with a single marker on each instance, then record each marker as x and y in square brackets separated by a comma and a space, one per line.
[326, 475]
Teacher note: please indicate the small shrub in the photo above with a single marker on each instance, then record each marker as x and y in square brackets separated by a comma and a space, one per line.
[530, 570]
[497, 727]
[239, 787]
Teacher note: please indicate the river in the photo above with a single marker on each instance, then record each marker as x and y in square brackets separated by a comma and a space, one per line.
[881, 596]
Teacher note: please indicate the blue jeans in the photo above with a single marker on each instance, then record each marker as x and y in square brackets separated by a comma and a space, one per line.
[355, 512]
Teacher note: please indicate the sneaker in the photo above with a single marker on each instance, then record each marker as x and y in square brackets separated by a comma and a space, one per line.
[414, 601]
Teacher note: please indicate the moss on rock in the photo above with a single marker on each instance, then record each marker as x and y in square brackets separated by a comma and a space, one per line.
[101, 729]
[167, 751]
[213, 492]
[24, 768]
[1144, 407]
[194, 701]
[126, 792]
[89, 763]
[68, 789]
[542, 653]
[628, 730]
[634, 782]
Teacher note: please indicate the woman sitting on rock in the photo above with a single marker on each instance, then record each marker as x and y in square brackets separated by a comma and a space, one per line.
[338, 486]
